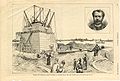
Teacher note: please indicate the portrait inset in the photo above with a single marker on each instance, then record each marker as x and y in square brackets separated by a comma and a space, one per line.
[97, 22]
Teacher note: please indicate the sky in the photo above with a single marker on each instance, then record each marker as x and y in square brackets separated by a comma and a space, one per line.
[70, 20]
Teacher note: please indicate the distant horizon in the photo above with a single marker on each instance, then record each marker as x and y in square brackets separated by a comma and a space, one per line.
[78, 39]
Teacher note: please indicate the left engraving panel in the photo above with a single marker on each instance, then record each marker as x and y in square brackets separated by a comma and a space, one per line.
[33, 39]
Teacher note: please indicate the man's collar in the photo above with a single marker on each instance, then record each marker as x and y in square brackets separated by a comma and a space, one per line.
[98, 26]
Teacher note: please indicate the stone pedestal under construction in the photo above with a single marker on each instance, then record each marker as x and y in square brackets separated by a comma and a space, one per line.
[37, 34]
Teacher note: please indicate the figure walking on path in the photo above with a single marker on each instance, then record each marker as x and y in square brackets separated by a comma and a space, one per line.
[95, 50]
[61, 67]
[79, 68]
[48, 56]
[74, 64]
[55, 67]
[85, 62]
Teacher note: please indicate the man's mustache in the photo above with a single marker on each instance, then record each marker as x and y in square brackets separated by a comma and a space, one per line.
[98, 21]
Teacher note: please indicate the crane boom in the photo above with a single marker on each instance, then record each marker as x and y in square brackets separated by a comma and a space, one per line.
[34, 13]
[45, 21]
[39, 14]
[50, 20]
[27, 18]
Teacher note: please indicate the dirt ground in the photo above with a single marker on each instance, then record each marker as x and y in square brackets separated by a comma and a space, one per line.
[25, 64]
[22, 64]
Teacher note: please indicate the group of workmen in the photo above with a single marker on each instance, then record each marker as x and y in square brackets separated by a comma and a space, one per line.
[79, 65]
[58, 67]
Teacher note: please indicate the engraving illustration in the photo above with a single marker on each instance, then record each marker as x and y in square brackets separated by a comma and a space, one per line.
[98, 23]
[36, 48]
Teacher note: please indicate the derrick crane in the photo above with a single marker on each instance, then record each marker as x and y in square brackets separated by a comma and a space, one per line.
[34, 27]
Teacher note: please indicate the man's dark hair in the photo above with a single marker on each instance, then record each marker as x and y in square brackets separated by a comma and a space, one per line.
[103, 14]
